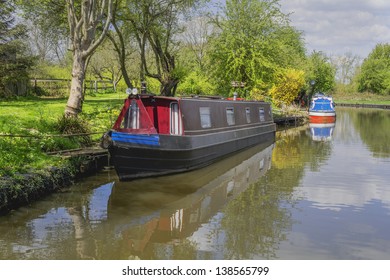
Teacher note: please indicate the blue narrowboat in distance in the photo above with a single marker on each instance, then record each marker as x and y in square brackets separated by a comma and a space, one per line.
[322, 109]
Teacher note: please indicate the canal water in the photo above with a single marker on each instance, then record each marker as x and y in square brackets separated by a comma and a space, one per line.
[318, 192]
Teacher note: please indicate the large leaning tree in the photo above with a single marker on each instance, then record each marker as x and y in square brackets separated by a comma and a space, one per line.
[85, 22]
[84, 19]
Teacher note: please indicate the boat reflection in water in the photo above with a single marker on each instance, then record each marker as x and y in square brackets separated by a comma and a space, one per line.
[104, 218]
[322, 131]
[211, 188]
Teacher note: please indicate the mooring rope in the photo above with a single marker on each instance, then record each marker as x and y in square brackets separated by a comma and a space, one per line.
[47, 135]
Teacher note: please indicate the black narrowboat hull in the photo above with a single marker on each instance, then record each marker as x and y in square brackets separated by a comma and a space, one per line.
[156, 155]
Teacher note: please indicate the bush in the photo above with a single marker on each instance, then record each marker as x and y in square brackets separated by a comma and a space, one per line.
[195, 83]
[74, 127]
[288, 87]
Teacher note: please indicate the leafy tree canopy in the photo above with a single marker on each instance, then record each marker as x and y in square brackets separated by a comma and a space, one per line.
[320, 70]
[375, 71]
[254, 45]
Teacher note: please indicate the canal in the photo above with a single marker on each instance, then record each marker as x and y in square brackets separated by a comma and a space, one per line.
[316, 193]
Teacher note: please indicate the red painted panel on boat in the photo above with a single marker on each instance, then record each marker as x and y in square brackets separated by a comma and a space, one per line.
[322, 119]
[163, 115]
[143, 124]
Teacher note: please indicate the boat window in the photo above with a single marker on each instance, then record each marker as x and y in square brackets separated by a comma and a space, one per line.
[248, 115]
[175, 119]
[131, 119]
[262, 114]
[230, 116]
[205, 117]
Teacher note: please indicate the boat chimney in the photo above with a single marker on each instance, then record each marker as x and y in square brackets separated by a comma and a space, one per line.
[143, 87]
[235, 95]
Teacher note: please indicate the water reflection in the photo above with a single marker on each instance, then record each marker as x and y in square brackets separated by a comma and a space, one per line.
[322, 131]
[346, 200]
[372, 126]
[148, 218]
[353, 172]
[160, 232]
[292, 199]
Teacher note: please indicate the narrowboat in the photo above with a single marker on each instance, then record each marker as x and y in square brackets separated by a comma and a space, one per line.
[160, 135]
[322, 109]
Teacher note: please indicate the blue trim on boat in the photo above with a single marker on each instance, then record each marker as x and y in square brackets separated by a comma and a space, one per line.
[322, 105]
[142, 139]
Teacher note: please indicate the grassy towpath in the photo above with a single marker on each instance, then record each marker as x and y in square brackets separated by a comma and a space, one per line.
[31, 127]
[361, 98]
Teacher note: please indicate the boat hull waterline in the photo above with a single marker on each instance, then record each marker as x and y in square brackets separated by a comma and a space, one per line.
[138, 162]
[156, 136]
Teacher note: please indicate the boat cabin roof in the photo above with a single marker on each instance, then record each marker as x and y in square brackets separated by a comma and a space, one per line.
[189, 115]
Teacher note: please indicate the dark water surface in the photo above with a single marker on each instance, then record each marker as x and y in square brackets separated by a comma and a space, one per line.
[317, 193]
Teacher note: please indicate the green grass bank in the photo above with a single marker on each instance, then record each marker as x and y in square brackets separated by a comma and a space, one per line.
[33, 129]
[361, 98]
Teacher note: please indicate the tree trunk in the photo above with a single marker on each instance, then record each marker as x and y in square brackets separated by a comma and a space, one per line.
[168, 87]
[121, 51]
[76, 97]
[83, 21]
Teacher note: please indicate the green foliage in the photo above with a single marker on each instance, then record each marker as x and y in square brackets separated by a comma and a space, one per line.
[195, 83]
[14, 62]
[375, 71]
[52, 71]
[254, 45]
[156, 24]
[320, 70]
[77, 128]
[288, 87]
[49, 15]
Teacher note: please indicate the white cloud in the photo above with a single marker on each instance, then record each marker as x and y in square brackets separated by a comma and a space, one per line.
[340, 26]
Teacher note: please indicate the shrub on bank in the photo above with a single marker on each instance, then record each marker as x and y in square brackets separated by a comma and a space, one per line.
[22, 189]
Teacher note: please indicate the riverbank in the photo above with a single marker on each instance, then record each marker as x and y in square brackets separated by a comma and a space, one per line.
[29, 165]
[356, 105]
[32, 143]
[360, 99]
[23, 189]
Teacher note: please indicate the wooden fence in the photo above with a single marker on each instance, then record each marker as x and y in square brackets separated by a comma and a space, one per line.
[61, 87]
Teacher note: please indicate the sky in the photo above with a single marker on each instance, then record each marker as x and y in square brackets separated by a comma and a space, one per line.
[337, 27]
